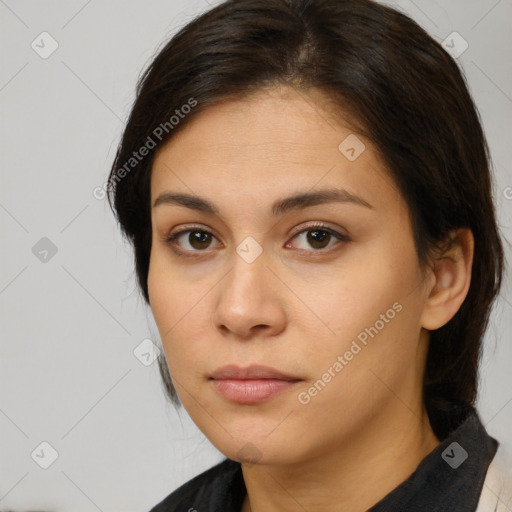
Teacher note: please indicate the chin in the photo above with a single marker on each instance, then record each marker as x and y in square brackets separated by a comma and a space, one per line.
[258, 450]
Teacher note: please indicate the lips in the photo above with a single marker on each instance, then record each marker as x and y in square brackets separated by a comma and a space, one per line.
[251, 385]
[252, 372]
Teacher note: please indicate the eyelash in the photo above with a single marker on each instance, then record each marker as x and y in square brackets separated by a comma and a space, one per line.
[171, 239]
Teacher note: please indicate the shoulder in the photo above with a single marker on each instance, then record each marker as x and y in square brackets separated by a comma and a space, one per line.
[496, 495]
[214, 489]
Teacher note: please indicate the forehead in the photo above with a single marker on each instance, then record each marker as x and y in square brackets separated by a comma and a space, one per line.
[266, 146]
[272, 123]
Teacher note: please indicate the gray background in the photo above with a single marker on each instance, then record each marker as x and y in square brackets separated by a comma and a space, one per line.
[70, 324]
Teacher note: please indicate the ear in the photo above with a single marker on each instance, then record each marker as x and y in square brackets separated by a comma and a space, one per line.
[451, 274]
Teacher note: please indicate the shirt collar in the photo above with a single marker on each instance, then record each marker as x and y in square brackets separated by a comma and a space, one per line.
[450, 477]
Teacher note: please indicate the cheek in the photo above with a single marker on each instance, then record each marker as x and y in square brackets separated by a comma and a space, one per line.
[369, 310]
[164, 295]
[352, 293]
[161, 295]
[179, 309]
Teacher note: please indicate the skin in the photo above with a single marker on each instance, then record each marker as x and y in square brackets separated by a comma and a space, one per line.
[298, 306]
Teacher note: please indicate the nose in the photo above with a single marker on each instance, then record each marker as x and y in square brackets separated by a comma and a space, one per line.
[250, 300]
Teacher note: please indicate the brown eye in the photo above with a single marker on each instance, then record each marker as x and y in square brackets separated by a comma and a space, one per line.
[318, 239]
[193, 242]
[199, 239]
[190, 240]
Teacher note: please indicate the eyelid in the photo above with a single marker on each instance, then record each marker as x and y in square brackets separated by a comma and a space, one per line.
[188, 227]
[321, 226]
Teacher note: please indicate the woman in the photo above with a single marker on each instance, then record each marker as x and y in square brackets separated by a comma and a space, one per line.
[306, 186]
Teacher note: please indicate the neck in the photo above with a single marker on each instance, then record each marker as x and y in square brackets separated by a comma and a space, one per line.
[351, 478]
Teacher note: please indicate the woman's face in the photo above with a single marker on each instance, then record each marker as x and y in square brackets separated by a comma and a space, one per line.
[325, 292]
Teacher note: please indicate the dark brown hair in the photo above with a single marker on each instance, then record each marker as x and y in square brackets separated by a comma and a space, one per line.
[406, 94]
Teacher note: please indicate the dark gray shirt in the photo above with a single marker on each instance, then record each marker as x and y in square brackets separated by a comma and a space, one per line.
[448, 479]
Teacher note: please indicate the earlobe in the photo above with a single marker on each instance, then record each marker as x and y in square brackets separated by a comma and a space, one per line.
[452, 278]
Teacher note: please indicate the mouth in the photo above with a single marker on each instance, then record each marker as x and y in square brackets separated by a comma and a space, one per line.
[251, 385]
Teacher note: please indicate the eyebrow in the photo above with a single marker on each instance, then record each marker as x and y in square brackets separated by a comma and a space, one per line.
[280, 207]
